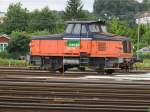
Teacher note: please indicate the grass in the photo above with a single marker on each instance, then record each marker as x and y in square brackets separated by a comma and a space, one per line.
[11, 62]
[145, 64]
[22, 63]
[40, 33]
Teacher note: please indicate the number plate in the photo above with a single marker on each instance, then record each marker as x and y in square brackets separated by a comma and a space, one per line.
[73, 43]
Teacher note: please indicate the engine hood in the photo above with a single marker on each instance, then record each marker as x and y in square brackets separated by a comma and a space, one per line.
[109, 36]
[48, 37]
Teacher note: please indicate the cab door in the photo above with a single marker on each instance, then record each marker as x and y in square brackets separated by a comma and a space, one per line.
[72, 40]
[86, 40]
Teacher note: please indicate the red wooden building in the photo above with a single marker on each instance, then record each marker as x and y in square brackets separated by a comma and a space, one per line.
[4, 40]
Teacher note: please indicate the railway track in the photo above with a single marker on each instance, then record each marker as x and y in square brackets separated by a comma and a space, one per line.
[23, 72]
[63, 95]
[26, 71]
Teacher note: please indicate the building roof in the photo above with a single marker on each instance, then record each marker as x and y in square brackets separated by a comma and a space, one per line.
[4, 35]
[142, 14]
[145, 50]
[2, 14]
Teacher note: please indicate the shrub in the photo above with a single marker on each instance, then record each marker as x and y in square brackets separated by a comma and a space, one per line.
[19, 44]
[4, 54]
[145, 64]
[145, 55]
[40, 33]
[11, 62]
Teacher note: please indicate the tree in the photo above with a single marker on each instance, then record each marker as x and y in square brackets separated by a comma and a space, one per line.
[43, 20]
[19, 44]
[122, 9]
[118, 27]
[1, 28]
[16, 18]
[144, 6]
[146, 38]
[74, 10]
[122, 28]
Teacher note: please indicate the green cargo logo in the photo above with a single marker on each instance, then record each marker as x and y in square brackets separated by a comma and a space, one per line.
[73, 43]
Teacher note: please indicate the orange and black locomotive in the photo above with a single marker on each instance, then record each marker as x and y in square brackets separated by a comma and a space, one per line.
[84, 44]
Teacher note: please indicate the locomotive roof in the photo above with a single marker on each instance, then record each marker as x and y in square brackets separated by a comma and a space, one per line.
[54, 36]
[85, 22]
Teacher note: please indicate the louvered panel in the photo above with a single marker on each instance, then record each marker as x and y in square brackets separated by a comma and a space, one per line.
[101, 46]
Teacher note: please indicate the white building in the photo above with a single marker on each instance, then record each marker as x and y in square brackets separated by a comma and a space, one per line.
[143, 18]
[145, 50]
[4, 40]
[2, 16]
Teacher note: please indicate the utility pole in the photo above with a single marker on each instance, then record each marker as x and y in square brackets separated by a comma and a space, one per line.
[138, 41]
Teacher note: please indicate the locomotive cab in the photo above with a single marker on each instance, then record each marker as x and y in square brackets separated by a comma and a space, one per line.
[80, 29]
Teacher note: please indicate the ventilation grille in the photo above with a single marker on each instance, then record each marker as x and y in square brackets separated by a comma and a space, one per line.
[102, 46]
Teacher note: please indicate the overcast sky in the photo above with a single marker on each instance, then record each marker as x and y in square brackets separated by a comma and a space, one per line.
[38, 4]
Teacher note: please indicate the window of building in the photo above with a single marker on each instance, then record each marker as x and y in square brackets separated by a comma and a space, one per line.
[3, 46]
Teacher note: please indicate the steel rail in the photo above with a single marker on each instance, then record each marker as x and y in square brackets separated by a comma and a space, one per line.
[74, 94]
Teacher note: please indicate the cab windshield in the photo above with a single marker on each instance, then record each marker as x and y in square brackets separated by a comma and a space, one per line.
[96, 28]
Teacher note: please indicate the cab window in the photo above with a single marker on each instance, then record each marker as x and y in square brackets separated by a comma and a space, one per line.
[69, 28]
[94, 28]
[77, 29]
[103, 28]
[83, 29]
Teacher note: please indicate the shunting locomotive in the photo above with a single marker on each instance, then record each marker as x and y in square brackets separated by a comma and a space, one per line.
[84, 44]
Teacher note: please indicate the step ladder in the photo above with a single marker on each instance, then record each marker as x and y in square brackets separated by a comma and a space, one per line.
[84, 59]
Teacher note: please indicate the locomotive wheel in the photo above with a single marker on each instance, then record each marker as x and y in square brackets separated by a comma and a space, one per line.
[109, 72]
[82, 68]
[61, 70]
[100, 71]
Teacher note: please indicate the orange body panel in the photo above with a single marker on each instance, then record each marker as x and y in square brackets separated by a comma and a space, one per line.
[95, 48]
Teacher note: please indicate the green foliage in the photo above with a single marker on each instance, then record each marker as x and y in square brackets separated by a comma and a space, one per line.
[145, 35]
[122, 9]
[1, 28]
[122, 28]
[39, 33]
[118, 27]
[4, 54]
[145, 64]
[43, 20]
[20, 19]
[43, 33]
[16, 18]
[19, 44]
[144, 6]
[89, 16]
[11, 62]
[74, 10]
[145, 55]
